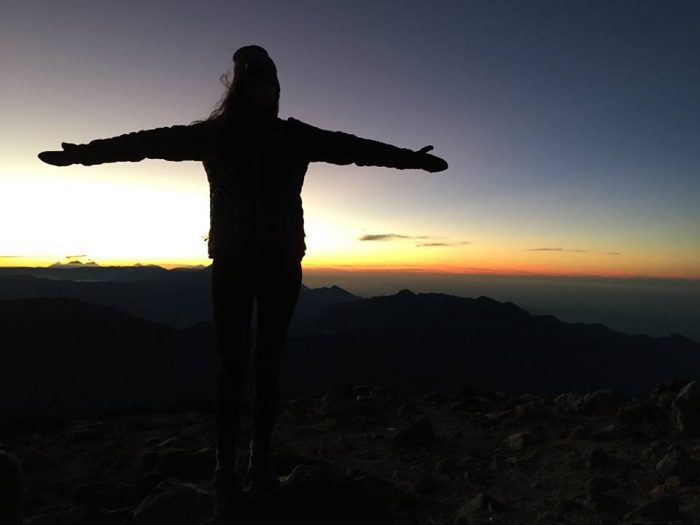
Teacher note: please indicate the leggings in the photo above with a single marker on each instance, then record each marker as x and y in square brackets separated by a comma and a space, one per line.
[236, 283]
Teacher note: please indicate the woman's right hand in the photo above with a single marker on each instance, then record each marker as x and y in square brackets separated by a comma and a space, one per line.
[429, 162]
[66, 157]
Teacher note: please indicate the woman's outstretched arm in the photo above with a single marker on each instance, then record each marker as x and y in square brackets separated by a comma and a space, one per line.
[177, 143]
[343, 148]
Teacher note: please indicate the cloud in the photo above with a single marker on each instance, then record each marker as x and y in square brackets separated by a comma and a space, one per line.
[554, 250]
[391, 237]
[436, 244]
[75, 256]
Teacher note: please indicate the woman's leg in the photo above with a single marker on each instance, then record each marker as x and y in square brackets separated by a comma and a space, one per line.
[232, 301]
[278, 284]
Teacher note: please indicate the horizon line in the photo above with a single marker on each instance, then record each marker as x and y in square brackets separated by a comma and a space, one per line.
[381, 269]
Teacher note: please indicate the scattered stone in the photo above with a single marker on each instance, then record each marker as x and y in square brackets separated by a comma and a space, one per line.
[520, 440]
[408, 410]
[601, 402]
[685, 410]
[608, 432]
[668, 486]
[636, 411]
[174, 503]
[677, 463]
[661, 508]
[663, 394]
[597, 459]
[175, 462]
[494, 418]
[147, 462]
[597, 496]
[317, 494]
[204, 462]
[435, 397]
[579, 432]
[146, 483]
[568, 402]
[415, 432]
[448, 464]
[427, 483]
[534, 410]
[334, 405]
[11, 488]
[480, 503]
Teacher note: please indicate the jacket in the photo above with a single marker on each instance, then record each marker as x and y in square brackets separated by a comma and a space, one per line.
[255, 174]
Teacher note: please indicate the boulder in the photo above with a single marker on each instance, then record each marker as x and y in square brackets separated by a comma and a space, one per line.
[11, 488]
[660, 508]
[173, 502]
[677, 463]
[601, 402]
[597, 459]
[415, 432]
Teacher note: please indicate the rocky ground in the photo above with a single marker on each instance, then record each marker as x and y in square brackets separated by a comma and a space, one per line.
[366, 455]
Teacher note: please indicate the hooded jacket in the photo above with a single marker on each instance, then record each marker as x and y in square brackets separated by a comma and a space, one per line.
[255, 174]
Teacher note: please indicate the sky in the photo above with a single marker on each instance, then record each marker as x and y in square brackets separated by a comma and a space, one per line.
[571, 130]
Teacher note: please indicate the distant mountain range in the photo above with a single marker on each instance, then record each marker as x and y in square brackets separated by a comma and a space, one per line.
[180, 297]
[65, 355]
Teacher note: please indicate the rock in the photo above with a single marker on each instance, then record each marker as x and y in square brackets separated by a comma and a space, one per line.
[363, 390]
[597, 496]
[445, 465]
[661, 508]
[689, 396]
[568, 402]
[636, 411]
[408, 410]
[494, 418]
[427, 483]
[520, 440]
[601, 402]
[175, 462]
[597, 458]
[532, 411]
[480, 503]
[147, 462]
[435, 397]
[685, 409]
[146, 484]
[663, 393]
[608, 432]
[598, 486]
[415, 432]
[579, 432]
[334, 405]
[204, 462]
[677, 463]
[105, 495]
[175, 503]
[11, 488]
[317, 494]
[668, 486]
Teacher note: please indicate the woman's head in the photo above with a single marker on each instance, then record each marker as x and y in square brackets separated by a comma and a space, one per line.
[254, 91]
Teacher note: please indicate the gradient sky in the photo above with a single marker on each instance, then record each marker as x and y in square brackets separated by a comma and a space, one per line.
[572, 129]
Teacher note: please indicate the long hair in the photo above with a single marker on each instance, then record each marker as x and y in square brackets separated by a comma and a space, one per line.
[250, 63]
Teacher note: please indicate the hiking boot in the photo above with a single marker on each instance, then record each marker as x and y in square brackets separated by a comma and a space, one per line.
[229, 499]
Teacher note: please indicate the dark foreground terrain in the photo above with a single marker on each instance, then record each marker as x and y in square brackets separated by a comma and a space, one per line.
[366, 455]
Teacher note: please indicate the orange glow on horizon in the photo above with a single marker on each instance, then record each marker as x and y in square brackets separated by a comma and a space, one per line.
[373, 268]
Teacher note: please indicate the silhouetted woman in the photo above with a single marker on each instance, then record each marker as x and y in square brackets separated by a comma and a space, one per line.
[255, 164]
